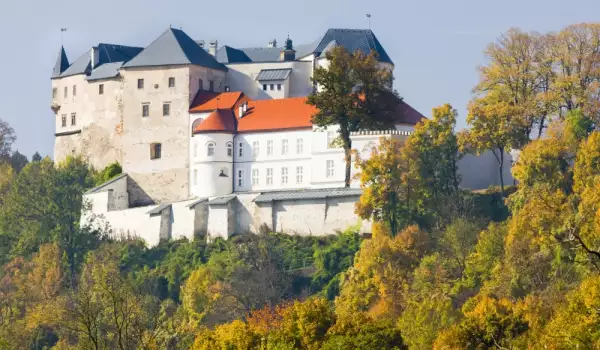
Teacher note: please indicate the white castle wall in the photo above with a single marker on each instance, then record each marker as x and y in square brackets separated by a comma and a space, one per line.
[205, 170]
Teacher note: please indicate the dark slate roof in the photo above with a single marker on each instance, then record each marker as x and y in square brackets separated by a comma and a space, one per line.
[354, 40]
[82, 65]
[102, 186]
[105, 71]
[107, 53]
[158, 210]
[228, 54]
[263, 54]
[174, 47]
[62, 63]
[268, 197]
[221, 200]
[274, 74]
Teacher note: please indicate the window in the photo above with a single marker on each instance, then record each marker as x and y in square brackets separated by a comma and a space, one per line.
[265, 87]
[171, 82]
[74, 90]
[220, 85]
[330, 139]
[195, 176]
[54, 92]
[299, 174]
[200, 84]
[145, 110]
[269, 147]
[155, 150]
[240, 178]
[101, 89]
[211, 85]
[210, 150]
[255, 149]
[284, 175]
[299, 146]
[269, 176]
[330, 169]
[229, 149]
[272, 87]
[64, 120]
[166, 109]
[140, 83]
[284, 147]
[73, 119]
[66, 91]
[254, 177]
[241, 150]
[278, 87]
[195, 150]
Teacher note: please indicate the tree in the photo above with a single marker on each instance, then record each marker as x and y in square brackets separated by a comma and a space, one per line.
[431, 156]
[493, 128]
[36, 157]
[18, 161]
[354, 93]
[7, 138]
[386, 194]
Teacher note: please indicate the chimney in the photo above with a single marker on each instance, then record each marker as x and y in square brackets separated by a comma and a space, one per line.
[94, 57]
[212, 47]
[241, 111]
[201, 43]
[273, 43]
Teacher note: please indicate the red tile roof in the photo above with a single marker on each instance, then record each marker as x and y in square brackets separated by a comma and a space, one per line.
[221, 120]
[280, 114]
[206, 101]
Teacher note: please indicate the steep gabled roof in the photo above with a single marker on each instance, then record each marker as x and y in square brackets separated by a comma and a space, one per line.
[206, 101]
[174, 47]
[363, 40]
[107, 54]
[62, 63]
[228, 54]
[281, 114]
[221, 120]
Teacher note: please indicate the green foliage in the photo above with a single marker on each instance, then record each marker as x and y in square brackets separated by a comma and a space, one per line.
[110, 171]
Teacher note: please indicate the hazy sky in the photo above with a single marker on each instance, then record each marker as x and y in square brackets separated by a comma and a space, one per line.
[435, 44]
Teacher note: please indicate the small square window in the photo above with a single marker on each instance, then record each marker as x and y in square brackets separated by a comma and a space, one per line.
[155, 151]
[64, 120]
[140, 83]
[272, 87]
[101, 89]
[73, 119]
[145, 110]
[278, 87]
[265, 87]
[171, 82]
[166, 109]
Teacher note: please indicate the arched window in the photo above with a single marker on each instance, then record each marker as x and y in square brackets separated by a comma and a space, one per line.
[210, 150]
[229, 149]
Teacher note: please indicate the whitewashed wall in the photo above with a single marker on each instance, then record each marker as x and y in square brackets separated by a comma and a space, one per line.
[205, 170]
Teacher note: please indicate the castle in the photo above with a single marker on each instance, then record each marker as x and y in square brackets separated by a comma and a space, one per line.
[213, 141]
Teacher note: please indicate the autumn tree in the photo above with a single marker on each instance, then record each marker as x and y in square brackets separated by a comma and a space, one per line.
[431, 155]
[386, 193]
[353, 93]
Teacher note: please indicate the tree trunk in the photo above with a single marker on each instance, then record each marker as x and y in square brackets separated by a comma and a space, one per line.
[501, 168]
[345, 133]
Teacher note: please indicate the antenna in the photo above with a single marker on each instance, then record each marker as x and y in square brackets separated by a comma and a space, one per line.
[369, 19]
[62, 30]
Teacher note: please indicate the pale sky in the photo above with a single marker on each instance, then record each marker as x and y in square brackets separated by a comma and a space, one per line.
[435, 44]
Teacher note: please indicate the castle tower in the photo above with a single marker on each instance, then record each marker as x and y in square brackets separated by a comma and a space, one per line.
[212, 150]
